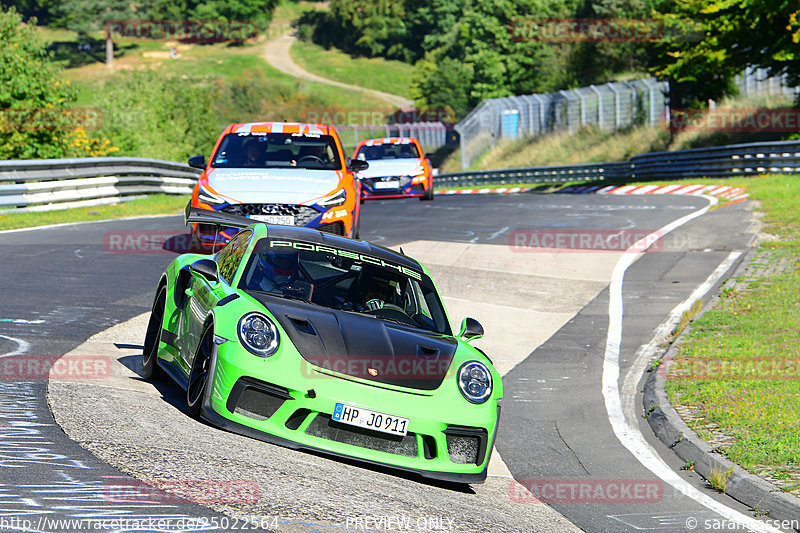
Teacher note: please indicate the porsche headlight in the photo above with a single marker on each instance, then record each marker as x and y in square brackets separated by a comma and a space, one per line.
[338, 198]
[208, 197]
[475, 381]
[258, 334]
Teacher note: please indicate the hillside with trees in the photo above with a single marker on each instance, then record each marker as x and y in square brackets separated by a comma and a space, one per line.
[465, 50]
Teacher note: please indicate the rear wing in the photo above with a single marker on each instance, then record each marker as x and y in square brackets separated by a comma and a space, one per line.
[215, 218]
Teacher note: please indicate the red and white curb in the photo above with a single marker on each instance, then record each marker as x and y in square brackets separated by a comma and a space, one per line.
[499, 190]
[721, 191]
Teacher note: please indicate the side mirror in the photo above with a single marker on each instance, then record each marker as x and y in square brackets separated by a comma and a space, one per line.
[198, 161]
[206, 268]
[471, 329]
[357, 165]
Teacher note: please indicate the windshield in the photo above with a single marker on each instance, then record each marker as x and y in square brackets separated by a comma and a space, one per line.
[277, 150]
[392, 150]
[345, 280]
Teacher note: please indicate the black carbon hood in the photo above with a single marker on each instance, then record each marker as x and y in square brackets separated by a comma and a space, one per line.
[364, 346]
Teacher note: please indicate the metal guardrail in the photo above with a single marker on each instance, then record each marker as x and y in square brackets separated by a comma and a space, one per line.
[554, 174]
[735, 160]
[51, 184]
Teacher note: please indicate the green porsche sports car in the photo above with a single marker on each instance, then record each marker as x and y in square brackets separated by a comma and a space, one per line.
[319, 342]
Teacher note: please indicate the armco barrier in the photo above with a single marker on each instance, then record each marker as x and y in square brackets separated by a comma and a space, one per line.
[50, 184]
[781, 157]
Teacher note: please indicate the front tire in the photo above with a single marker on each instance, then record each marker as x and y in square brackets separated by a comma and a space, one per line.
[152, 339]
[198, 376]
[428, 197]
[357, 230]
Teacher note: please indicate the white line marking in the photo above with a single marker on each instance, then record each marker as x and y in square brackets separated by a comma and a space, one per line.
[20, 321]
[22, 347]
[661, 333]
[65, 224]
[628, 435]
[498, 233]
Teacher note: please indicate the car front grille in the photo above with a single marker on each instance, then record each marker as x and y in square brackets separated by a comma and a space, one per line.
[256, 399]
[322, 426]
[370, 182]
[466, 445]
[302, 214]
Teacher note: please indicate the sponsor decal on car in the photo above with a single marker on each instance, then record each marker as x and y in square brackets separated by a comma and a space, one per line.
[345, 253]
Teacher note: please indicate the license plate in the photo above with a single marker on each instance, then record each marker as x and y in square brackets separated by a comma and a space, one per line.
[283, 220]
[364, 418]
[386, 184]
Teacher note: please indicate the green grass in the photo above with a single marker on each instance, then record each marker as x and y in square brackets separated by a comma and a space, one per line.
[739, 367]
[292, 9]
[392, 77]
[157, 204]
[225, 62]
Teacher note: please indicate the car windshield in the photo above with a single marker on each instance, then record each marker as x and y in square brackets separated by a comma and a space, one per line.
[396, 150]
[345, 280]
[277, 150]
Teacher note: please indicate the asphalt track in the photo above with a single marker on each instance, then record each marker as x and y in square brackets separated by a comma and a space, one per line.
[61, 286]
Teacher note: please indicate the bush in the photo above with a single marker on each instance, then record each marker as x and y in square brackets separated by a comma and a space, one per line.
[33, 99]
[148, 114]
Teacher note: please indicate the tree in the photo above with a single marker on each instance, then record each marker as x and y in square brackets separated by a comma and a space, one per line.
[442, 84]
[40, 9]
[84, 16]
[33, 99]
[88, 15]
[722, 38]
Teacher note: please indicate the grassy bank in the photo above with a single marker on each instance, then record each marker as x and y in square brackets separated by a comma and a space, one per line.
[736, 379]
[593, 145]
[157, 204]
[155, 106]
[392, 77]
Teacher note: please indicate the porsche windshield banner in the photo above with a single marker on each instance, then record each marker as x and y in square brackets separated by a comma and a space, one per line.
[306, 246]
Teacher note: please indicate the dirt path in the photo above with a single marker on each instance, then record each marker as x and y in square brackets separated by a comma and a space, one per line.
[276, 52]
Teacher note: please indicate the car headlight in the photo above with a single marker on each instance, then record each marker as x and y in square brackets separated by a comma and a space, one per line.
[475, 381]
[208, 197]
[419, 171]
[338, 198]
[258, 334]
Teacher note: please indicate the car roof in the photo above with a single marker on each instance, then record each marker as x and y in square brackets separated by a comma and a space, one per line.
[280, 127]
[328, 239]
[389, 140]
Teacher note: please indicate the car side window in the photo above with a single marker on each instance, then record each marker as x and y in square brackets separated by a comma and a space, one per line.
[229, 258]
